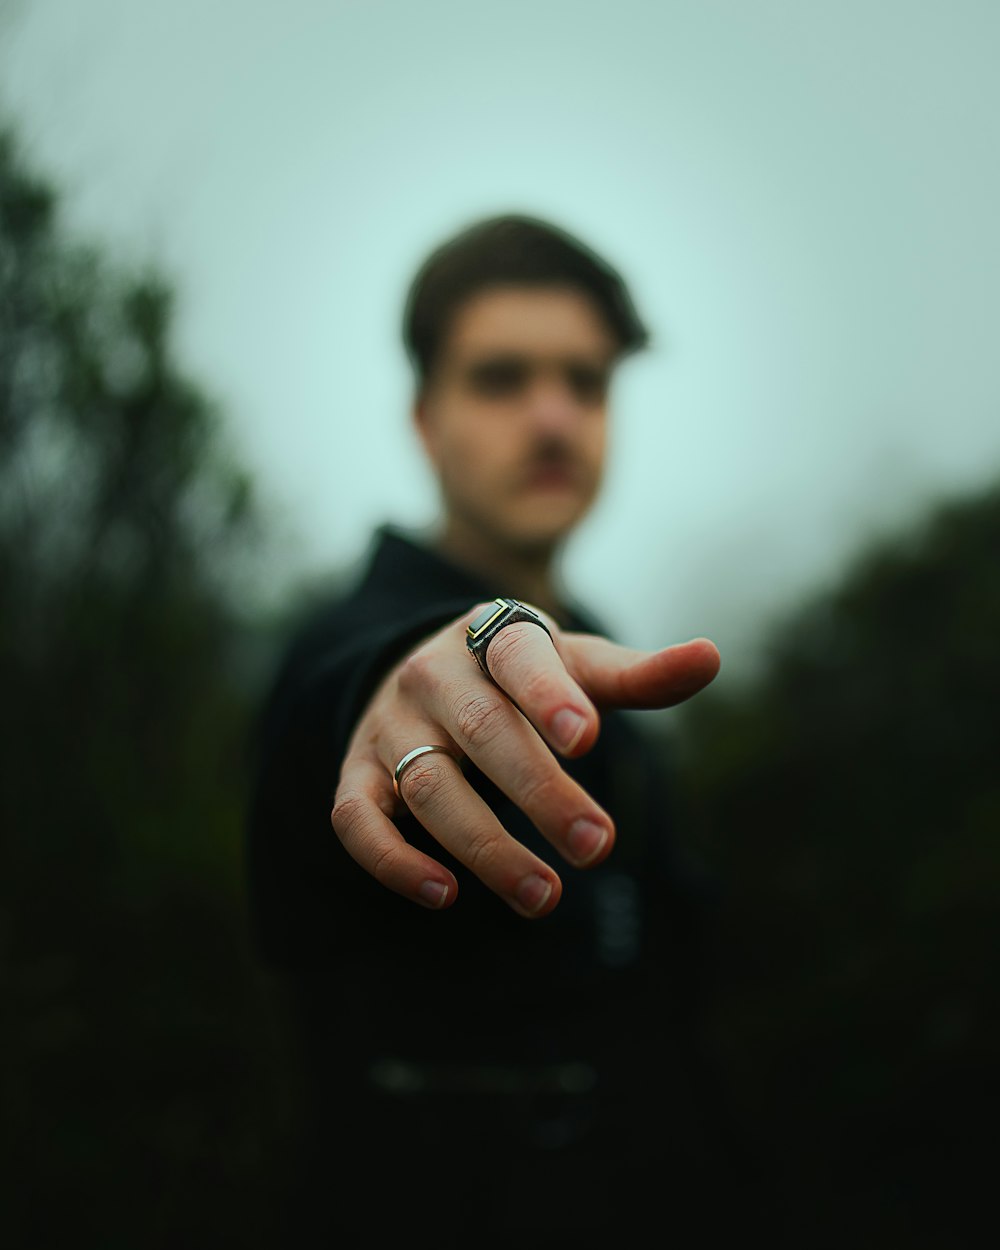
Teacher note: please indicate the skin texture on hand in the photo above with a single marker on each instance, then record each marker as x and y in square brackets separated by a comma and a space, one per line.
[545, 702]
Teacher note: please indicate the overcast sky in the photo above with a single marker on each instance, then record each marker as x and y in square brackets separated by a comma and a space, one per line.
[804, 197]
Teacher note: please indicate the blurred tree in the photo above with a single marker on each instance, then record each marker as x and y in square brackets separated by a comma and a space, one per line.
[135, 1082]
[849, 799]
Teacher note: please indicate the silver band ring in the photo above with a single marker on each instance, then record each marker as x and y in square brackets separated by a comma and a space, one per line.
[408, 759]
[497, 616]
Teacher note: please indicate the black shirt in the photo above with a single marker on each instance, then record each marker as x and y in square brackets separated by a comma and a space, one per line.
[543, 1040]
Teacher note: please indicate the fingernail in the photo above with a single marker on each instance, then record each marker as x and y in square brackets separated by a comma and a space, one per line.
[433, 893]
[567, 728]
[533, 892]
[585, 840]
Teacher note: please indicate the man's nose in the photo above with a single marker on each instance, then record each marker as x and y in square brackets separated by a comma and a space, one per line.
[551, 403]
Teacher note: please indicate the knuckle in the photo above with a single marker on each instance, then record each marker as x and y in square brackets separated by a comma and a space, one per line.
[479, 718]
[508, 645]
[414, 672]
[385, 863]
[421, 782]
[538, 689]
[540, 791]
[348, 811]
[480, 852]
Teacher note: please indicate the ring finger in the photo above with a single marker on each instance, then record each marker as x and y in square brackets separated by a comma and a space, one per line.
[437, 794]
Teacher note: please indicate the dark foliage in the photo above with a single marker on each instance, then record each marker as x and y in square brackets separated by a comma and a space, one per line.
[136, 1084]
[849, 800]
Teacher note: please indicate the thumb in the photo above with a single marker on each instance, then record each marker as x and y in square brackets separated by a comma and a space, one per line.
[619, 676]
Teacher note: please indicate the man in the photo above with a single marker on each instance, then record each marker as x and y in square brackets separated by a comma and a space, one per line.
[460, 848]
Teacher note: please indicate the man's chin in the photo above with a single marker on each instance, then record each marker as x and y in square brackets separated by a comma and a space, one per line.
[543, 528]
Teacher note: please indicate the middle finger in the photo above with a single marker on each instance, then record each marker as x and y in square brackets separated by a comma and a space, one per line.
[506, 748]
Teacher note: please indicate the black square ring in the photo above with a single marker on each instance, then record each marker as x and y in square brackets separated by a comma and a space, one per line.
[497, 616]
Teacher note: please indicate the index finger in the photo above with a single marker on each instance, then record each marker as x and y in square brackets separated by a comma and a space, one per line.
[524, 662]
[624, 677]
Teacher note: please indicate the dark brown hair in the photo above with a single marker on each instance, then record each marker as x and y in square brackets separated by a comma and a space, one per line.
[502, 251]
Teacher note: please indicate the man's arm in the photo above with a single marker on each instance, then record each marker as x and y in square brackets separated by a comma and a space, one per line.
[545, 699]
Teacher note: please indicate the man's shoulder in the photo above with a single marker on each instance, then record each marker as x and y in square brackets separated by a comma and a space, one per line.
[344, 598]
[398, 573]
[396, 581]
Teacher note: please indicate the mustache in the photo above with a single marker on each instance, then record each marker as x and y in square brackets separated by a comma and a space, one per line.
[552, 453]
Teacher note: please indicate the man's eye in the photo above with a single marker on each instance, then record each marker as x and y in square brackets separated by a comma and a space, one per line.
[587, 383]
[498, 377]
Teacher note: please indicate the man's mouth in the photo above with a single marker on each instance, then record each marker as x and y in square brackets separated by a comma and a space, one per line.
[552, 475]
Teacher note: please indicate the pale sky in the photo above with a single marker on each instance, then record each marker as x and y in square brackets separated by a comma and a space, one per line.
[804, 198]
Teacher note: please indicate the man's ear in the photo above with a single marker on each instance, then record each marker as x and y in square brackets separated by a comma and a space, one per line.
[422, 421]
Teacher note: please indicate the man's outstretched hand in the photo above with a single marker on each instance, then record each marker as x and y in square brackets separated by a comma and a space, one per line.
[546, 699]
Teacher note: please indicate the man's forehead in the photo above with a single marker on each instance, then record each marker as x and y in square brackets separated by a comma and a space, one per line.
[529, 321]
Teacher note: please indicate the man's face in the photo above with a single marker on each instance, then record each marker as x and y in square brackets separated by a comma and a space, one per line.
[514, 415]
